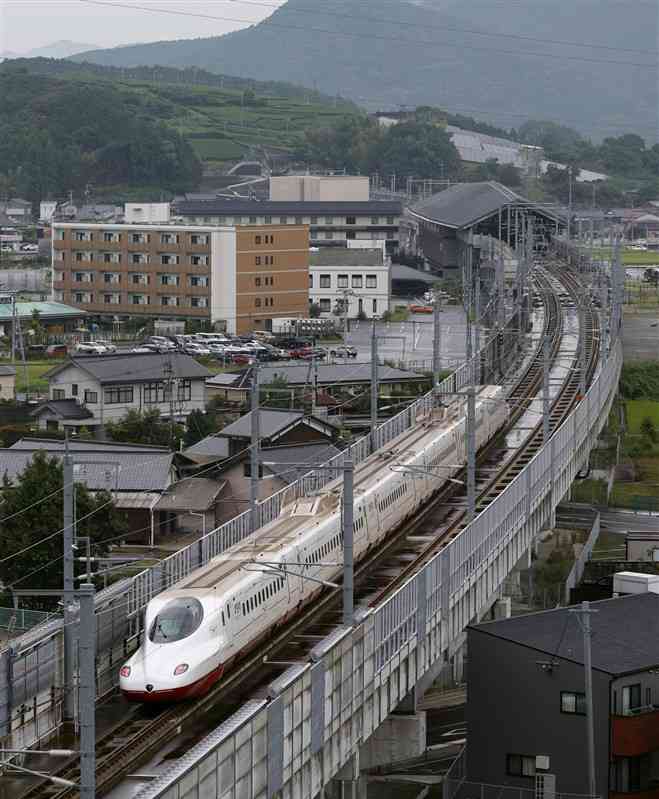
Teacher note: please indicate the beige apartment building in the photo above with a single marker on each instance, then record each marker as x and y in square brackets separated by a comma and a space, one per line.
[237, 278]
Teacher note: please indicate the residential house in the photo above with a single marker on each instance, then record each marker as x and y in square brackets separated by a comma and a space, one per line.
[89, 391]
[331, 378]
[526, 706]
[355, 281]
[144, 481]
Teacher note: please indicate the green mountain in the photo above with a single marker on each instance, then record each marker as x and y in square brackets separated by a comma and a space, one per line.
[501, 61]
[150, 129]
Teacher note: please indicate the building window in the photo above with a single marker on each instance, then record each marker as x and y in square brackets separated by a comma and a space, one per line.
[111, 277]
[169, 259]
[375, 220]
[361, 306]
[184, 392]
[155, 392]
[298, 220]
[325, 281]
[375, 306]
[200, 281]
[59, 255]
[313, 220]
[357, 281]
[139, 279]
[257, 302]
[114, 237]
[269, 239]
[197, 238]
[83, 235]
[268, 221]
[60, 235]
[199, 260]
[329, 220]
[139, 258]
[631, 698]
[112, 299]
[351, 220]
[83, 296]
[198, 302]
[310, 281]
[169, 280]
[252, 220]
[59, 394]
[139, 299]
[520, 765]
[257, 260]
[573, 703]
[84, 256]
[169, 238]
[257, 239]
[91, 397]
[342, 281]
[390, 220]
[118, 394]
[325, 305]
[329, 234]
[83, 277]
[139, 238]
[257, 281]
[170, 301]
[74, 389]
[371, 281]
[350, 234]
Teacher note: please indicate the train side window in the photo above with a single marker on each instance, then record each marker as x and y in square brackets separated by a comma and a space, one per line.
[228, 611]
[223, 624]
[243, 608]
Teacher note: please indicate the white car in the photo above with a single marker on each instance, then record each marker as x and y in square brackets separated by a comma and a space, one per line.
[106, 345]
[87, 348]
[195, 349]
[29, 248]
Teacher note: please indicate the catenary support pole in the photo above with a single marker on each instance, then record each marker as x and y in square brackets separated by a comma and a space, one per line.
[67, 543]
[471, 394]
[545, 389]
[87, 695]
[348, 542]
[583, 613]
[436, 343]
[254, 450]
[374, 388]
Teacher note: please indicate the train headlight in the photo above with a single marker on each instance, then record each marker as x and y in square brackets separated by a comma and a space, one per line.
[125, 671]
[180, 669]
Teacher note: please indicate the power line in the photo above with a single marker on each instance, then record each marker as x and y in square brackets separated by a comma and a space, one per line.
[354, 34]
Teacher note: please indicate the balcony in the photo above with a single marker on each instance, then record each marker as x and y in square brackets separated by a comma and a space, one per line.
[635, 734]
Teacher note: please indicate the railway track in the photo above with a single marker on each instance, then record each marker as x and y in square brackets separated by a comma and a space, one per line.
[144, 730]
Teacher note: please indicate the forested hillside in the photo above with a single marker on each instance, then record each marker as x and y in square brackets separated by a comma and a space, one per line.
[590, 64]
[58, 135]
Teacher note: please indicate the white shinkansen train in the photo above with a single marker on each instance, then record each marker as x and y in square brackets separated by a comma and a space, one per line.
[196, 630]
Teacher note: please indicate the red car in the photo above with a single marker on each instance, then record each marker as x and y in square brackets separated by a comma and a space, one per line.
[301, 352]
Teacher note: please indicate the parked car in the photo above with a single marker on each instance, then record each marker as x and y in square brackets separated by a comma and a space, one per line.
[300, 352]
[29, 248]
[107, 346]
[344, 351]
[315, 353]
[196, 350]
[87, 348]
[57, 351]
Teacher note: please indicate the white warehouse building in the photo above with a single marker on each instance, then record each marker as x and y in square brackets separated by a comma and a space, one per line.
[360, 277]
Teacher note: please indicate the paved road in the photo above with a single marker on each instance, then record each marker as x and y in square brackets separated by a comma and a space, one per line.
[618, 521]
[640, 340]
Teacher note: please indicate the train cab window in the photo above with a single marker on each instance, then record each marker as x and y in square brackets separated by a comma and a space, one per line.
[177, 620]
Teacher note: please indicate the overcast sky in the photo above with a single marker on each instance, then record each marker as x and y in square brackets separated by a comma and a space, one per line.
[27, 24]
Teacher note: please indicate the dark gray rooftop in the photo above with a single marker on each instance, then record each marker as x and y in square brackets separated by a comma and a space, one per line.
[281, 457]
[625, 633]
[191, 493]
[136, 367]
[210, 448]
[402, 272]
[65, 409]
[271, 422]
[138, 471]
[283, 207]
[82, 445]
[463, 204]
[342, 256]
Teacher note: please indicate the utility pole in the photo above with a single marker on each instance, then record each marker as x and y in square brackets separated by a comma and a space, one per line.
[87, 694]
[583, 617]
[254, 450]
[545, 390]
[436, 343]
[348, 542]
[374, 388]
[69, 633]
[569, 209]
[471, 395]
[582, 350]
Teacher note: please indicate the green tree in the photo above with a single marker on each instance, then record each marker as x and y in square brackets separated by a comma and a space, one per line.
[314, 311]
[32, 507]
[416, 148]
[200, 424]
[146, 428]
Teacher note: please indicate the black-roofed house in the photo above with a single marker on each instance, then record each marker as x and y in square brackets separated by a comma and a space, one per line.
[88, 390]
[143, 480]
[526, 701]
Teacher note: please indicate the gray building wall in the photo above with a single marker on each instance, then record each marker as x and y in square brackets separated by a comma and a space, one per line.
[514, 707]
